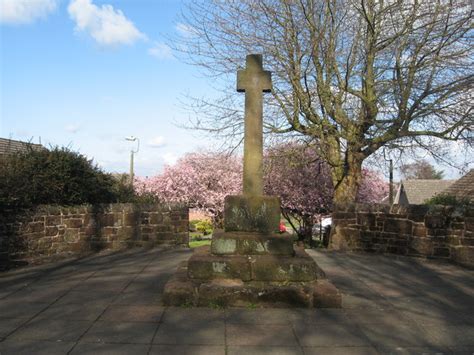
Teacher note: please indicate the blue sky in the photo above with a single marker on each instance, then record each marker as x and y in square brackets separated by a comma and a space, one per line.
[87, 73]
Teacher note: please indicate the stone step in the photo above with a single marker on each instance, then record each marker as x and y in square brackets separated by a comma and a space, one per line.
[301, 267]
[237, 293]
[245, 243]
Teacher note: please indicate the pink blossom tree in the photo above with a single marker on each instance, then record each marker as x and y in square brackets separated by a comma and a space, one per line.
[201, 180]
[373, 187]
[302, 179]
[292, 171]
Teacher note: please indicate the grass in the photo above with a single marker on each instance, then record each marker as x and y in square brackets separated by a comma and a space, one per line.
[199, 243]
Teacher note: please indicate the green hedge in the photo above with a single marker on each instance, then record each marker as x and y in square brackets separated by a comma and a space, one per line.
[56, 176]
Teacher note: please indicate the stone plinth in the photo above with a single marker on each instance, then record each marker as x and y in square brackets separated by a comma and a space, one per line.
[245, 243]
[182, 290]
[288, 280]
[246, 213]
[301, 267]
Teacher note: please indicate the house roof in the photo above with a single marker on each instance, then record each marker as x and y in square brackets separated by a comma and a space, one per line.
[9, 146]
[463, 188]
[419, 190]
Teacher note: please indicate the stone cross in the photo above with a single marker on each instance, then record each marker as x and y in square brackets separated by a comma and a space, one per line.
[253, 81]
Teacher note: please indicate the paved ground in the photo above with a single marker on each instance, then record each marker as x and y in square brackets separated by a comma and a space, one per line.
[110, 304]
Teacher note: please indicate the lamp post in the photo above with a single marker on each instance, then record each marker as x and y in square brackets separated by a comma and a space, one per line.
[132, 153]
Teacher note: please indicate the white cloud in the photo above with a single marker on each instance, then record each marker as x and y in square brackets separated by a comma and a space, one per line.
[160, 51]
[108, 26]
[25, 11]
[72, 127]
[157, 142]
[170, 158]
[185, 30]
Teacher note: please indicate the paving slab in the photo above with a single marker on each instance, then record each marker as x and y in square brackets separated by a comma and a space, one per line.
[331, 335]
[74, 311]
[260, 335]
[340, 350]
[51, 330]
[391, 305]
[133, 313]
[264, 350]
[187, 350]
[8, 325]
[138, 298]
[120, 332]
[258, 316]
[193, 332]
[109, 349]
[82, 297]
[318, 316]
[11, 308]
[37, 347]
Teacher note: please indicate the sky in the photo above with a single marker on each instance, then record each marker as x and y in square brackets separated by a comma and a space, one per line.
[88, 73]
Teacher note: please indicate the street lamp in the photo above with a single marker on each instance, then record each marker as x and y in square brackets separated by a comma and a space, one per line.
[132, 153]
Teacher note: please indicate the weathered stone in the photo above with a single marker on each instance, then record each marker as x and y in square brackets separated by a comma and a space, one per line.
[366, 219]
[419, 230]
[71, 235]
[73, 222]
[251, 243]
[435, 221]
[441, 252]
[271, 268]
[400, 226]
[463, 255]
[326, 295]
[208, 266]
[421, 246]
[52, 220]
[50, 231]
[253, 81]
[35, 227]
[223, 292]
[252, 214]
[178, 293]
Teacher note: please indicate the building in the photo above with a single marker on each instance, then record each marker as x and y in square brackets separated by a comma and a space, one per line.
[10, 146]
[462, 188]
[416, 192]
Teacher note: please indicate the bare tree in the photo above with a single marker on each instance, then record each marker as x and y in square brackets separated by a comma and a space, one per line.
[421, 169]
[353, 76]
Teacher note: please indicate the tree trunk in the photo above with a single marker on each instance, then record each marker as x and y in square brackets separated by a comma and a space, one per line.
[347, 180]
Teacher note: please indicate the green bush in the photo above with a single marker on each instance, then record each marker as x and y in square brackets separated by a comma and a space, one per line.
[192, 225]
[204, 226]
[124, 192]
[448, 200]
[57, 176]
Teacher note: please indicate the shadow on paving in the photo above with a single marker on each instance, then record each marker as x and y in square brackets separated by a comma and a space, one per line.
[110, 303]
[405, 302]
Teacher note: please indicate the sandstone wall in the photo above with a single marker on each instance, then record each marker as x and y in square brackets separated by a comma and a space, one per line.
[416, 230]
[49, 231]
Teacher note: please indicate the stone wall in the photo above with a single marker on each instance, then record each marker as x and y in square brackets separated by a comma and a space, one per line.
[416, 230]
[49, 231]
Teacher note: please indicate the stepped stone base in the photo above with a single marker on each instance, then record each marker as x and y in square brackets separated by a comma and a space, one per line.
[263, 280]
[250, 263]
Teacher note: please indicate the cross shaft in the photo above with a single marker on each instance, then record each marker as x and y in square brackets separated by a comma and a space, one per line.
[253, 81]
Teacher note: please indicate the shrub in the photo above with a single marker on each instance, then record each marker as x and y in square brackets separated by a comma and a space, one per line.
[192, 225]
[56, 176]
[448, 200]
[124, 192]
[204, 226]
